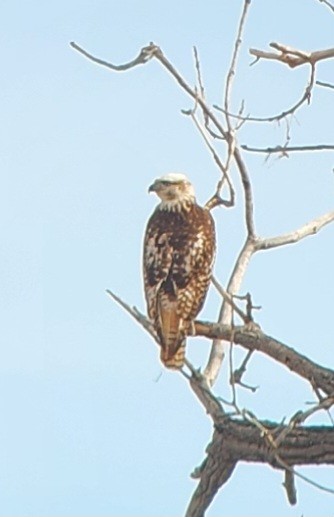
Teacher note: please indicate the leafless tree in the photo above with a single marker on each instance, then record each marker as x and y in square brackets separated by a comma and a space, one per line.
[238, 434]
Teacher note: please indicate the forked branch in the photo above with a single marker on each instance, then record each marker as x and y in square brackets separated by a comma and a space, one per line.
[291, 56]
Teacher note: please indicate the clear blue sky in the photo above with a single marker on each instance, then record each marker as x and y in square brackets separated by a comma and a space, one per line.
[86, 427]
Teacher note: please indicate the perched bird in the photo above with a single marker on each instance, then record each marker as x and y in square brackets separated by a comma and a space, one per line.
[179, 250]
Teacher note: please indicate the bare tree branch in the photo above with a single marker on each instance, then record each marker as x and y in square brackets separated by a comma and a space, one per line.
[292, 57]
[326, 85]
[144, 55]
[300, 417]
[248, 194]
[326, 2]
[229, 299]
[216, 199]
[231, 72]
[234, 149]
[212, 478]
[308, 229]
[275, 118]
[199, 75]
[217, 352]
[134, 312]
[235, 441]
[250, 247]
[290, 487]
[287, 149]
[318, 376]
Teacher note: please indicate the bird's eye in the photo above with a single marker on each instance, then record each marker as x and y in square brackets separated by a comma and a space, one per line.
[170, 183]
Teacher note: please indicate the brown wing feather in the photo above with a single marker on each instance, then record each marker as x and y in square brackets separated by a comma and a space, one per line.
[178, 255]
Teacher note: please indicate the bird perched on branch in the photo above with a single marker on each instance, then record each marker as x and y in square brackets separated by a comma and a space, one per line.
[179, 250]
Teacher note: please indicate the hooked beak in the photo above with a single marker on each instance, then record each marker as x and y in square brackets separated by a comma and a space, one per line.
[152, 188]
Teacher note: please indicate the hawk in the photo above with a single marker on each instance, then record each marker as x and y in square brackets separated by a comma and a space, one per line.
[179, 250]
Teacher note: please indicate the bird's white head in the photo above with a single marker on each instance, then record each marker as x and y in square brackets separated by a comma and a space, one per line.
[175, 191]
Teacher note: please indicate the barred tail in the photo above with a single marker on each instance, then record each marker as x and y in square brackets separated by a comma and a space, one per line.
[171, 333]
[175, 360]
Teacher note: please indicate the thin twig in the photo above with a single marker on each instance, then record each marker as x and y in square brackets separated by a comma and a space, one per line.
[185, 86]
[144, 55]
[248, 195]
[216, 199]
[275, 118]
[287, 149]
[134, 312]
[326, 85]
[238, 373]
[199, 75]
[229, 299]
[301, 416]
[231, 71]
[225, 177]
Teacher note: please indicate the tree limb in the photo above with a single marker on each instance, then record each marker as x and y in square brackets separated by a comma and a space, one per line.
[308, 229]
[235, 441]
[212, 477]
[217, 352]
[318, 376]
